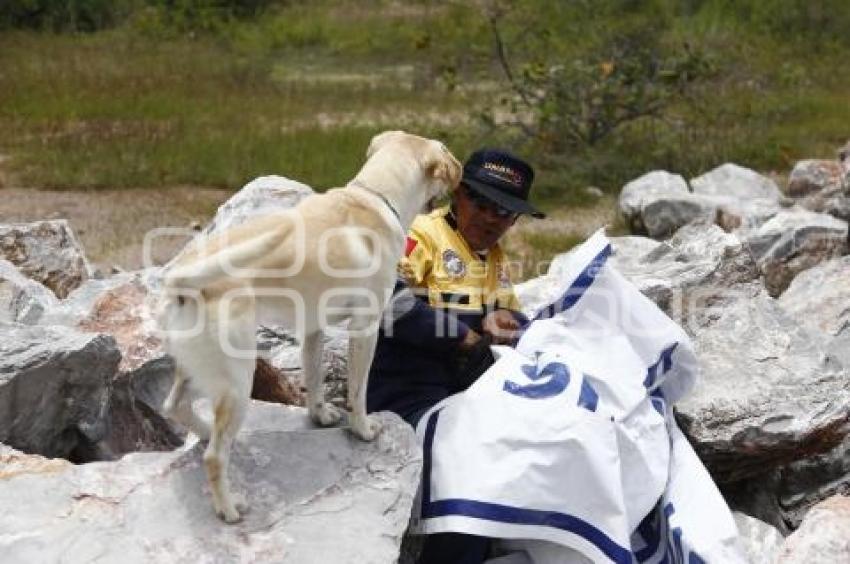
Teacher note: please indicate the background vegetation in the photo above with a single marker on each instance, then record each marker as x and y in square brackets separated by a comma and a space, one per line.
[151, 93]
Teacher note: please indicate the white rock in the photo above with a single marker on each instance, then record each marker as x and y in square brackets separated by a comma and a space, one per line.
[819, 299]
[824, 536]
[742, 197]
[760, 540]
[658, 184]
[731, 180]
[315, 495]
[698, 255]
[22, 300]
[793, 241]
[46, 251]
[263, 195]
[768, 394]
[813, 176]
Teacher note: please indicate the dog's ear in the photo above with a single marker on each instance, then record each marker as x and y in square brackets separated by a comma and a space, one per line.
[444, 166]
[844, 152]
[380, 140]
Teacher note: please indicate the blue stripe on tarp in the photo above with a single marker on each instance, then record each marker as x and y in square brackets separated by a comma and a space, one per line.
[508, 514]
[650, 530]
[521, 516]
[577, 288]
[430, 429]
[654, 528]
[660, 366]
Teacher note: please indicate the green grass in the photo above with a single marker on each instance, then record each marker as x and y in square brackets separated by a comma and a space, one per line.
[118, 110]
[299, 92]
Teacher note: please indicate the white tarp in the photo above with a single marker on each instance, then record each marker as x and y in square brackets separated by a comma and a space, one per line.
[569, 439]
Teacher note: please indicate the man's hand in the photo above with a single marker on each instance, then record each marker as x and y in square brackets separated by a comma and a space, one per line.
[502, 326]
[469, 341]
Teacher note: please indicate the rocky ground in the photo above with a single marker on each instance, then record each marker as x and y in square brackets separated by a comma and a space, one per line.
[757, 274]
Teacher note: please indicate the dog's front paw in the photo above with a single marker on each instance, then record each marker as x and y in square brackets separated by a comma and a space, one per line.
[325, 414]
[366, 428]
[229, 515]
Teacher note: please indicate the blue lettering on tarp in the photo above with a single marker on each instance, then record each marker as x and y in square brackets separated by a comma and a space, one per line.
[559, 379]
[588, 398]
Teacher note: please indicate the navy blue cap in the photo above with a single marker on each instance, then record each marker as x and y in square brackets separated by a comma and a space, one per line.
[501, 177]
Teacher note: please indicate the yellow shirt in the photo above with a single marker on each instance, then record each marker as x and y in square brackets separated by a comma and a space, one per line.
[439, 261]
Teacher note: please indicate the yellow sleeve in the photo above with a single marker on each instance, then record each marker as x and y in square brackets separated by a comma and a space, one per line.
[418, 259]
[508, 299]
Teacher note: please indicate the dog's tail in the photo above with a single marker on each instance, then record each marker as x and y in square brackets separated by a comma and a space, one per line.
[232, 261]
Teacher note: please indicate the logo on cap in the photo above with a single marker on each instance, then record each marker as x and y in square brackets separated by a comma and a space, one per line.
[504, 173]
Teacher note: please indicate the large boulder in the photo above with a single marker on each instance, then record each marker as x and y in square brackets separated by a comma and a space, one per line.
[55, 385]
[261, 196]
[22, 300]
[315, 496]
[793, 241]
[121, 306]
[46, 251]
[145, 373]
[698, 255]
[734, 197]
[78, 305]
[664, 192]
[663, 217]
[824, 536]
[818, 299]
[737, 182]
[811, 176]
[768, 395]
[743, 198]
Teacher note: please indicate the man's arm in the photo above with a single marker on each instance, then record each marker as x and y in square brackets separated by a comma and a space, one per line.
[410, 320]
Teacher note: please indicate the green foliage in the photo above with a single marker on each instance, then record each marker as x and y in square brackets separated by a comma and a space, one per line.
[94, 15]
[64, 15]
[214, 92]
[568, 97]
[115, 110]
[816, 23]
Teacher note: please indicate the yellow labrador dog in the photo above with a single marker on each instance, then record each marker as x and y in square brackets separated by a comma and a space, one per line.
[330, 259]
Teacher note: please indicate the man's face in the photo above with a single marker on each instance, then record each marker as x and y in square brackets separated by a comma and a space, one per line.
[480, 221]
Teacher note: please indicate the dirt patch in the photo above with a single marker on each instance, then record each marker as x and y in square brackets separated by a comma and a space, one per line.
[111, 224]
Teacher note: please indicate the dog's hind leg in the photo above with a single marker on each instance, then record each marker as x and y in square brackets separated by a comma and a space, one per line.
[322, 412]
[178, 406]
[228, 414]
[361, 350]
[175, 396]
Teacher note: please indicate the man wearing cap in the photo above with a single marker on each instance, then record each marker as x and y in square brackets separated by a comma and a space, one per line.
[454, 298]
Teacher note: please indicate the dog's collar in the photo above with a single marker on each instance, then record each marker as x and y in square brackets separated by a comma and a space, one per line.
[357, 184]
